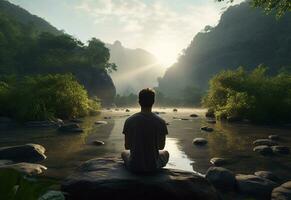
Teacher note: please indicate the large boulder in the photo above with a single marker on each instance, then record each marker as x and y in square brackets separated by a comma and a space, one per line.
[255, 186]
[107, 178]
[221, 178]
[283, 192]
[23, 153]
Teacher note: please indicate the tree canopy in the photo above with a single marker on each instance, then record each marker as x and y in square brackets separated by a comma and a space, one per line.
[252, 95]
[277, 6]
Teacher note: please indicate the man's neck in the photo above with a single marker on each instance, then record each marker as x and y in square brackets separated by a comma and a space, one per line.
[146, 109]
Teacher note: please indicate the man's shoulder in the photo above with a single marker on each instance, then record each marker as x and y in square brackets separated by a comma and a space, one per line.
[141, 116]
[158, 118]
[133, 117]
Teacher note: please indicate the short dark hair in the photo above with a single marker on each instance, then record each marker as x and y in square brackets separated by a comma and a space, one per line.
[146, 97]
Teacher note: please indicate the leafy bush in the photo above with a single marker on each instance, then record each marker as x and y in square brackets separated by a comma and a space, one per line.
[45, 97]
[15, 186]
[250, 95]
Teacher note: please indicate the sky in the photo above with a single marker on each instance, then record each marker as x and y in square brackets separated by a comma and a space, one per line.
[163, 27]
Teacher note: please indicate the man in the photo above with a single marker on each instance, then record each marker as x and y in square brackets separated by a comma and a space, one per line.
[145, 136]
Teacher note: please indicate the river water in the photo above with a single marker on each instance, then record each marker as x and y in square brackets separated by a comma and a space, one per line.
[65, 151]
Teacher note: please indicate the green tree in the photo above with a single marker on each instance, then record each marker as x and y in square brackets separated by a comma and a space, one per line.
[44, 97]
[254, 95]
[278, 6]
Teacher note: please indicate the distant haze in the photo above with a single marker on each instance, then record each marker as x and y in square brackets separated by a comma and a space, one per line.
[162, 27]
[137, 69]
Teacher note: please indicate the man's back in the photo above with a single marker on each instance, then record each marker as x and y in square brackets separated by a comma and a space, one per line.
[145, 133]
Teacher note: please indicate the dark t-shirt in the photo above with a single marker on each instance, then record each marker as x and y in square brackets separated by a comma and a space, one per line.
[144, 131]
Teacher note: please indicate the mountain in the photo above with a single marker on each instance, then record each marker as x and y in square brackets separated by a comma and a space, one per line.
[26, 18]
[30, 45]
[244, 37]
[137, 68]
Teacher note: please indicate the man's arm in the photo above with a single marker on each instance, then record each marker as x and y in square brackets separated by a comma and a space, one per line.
[162, 136]
[126, 142]
[126, 136]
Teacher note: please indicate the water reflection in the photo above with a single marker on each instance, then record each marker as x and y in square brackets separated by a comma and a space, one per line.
[178, 159]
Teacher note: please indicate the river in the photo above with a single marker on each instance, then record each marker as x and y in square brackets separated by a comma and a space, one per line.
[65, 151]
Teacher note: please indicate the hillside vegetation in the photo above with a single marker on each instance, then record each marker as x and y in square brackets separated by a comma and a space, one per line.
[255, 96]
[244, 36]
[25, 49]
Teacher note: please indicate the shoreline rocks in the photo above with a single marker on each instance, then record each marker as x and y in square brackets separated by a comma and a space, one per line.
[23, 153]
[107, 178]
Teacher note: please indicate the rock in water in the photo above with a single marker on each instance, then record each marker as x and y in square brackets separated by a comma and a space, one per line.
[193, 115]
[127, 110]
[281, 149]
[26, 168]
[264, 142]
[283, 192]
[255, 186]
[199, 141]
[264, 150]
[23, 153]
[219, 161]
[175, 110]
[267, 175]
[98, 142]
[71, 127]
[205, 128]
[107, 178]
[274, 137]
[100, 122]
[221, 178]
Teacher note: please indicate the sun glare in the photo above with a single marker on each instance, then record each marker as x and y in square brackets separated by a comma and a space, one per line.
[165, 53]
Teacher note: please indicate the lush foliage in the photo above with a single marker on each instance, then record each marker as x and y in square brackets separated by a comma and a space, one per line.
[25, 51]
[44, 97]
[278, 6]
[262, 39]
[253, 95]
[15, 186]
